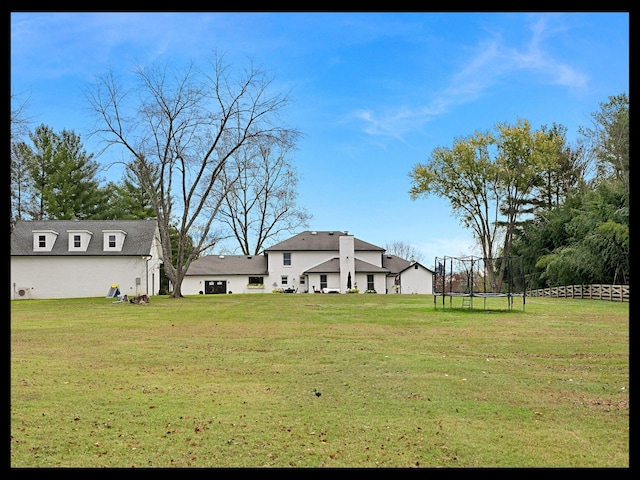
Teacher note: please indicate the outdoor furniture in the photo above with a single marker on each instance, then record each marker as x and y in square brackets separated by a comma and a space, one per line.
[330, 290]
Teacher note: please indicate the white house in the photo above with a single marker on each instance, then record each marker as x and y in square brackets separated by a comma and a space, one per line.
[84, 258]
[322, 262]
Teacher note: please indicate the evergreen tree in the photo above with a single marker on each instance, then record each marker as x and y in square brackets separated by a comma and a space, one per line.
[127, 201]
[62, 176]
[583, 236]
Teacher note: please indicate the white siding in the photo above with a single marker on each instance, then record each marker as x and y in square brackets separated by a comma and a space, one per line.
[300, 261]
[379, 282]
[194, 284]
[333, 281]
[76, 277]
[374, 258]
[413, 280]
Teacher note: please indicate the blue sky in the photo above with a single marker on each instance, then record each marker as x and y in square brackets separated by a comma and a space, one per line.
[372, 93]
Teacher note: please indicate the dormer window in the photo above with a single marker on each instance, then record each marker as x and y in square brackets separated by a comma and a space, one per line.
[113, 240]
[43, 240]
[79, 240]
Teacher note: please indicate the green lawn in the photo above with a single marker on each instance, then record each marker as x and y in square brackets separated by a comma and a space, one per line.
[265, 380]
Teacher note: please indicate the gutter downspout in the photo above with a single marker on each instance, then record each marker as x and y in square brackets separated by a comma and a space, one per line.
[147, 258]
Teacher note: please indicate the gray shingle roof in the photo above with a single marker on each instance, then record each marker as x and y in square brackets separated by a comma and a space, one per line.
[229, 265]
[417, 263]
[140, 234]
[396, 264]
[333, 266]
[319, 241]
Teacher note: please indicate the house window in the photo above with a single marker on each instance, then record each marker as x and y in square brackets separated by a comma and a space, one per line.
[284, 280]
[301, 280]
[44, 240]
[370, 285]
[286, 259]
[323, 281]
[256, 280]
[415, 267]
[79, 240]
[113, 240]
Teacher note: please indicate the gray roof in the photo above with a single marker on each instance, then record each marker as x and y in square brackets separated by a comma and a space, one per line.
[140, 234]
[321, 241]
[397, 265]
[394, 263]
[229, 265]
[417, 263]
[333, 266]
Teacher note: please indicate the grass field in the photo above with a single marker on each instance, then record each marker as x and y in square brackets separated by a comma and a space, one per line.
[270, 380]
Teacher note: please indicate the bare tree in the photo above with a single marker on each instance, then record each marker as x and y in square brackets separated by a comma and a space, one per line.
[18, 174]
[20, 119]
[404, 250]
[183, 129]
[23, 201]
[262, 202]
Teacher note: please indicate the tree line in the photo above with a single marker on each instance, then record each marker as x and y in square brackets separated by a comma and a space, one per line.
[523, 192]
[206, 153]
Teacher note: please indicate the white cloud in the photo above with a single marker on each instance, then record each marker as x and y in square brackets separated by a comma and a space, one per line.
[493, 60]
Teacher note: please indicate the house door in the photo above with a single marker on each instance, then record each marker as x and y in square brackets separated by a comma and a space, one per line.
[217, 286]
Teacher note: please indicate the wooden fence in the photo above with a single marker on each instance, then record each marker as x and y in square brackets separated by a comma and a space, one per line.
[614, 293]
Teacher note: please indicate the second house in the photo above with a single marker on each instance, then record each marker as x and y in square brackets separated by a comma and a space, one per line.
[310, 262]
